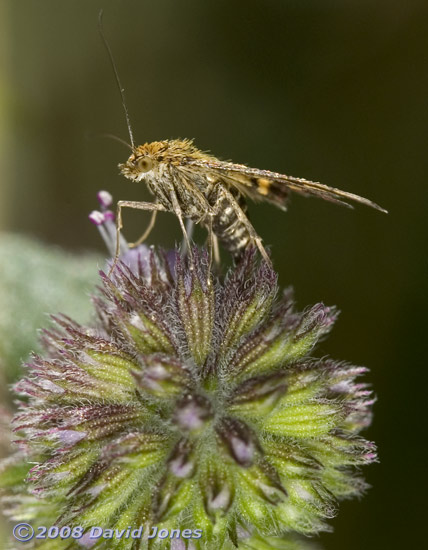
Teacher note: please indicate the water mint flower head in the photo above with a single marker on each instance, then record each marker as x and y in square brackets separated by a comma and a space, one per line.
[192, 402]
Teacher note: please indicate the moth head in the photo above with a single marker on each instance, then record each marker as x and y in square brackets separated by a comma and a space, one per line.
[138, 166]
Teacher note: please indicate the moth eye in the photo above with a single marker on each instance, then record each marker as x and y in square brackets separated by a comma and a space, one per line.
[145, 164]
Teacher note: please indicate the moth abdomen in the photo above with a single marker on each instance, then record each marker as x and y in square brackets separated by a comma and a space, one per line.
[229, 229]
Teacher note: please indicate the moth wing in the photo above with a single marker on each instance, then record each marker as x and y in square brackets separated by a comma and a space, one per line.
[274, 187]
[250, 182]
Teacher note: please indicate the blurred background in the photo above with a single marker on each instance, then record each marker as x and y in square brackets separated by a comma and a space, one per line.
[333, 91]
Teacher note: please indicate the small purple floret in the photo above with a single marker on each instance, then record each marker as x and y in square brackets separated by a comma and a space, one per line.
[96, 217]
[105, 199]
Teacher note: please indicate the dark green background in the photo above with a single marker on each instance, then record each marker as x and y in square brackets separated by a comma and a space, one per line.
[334, 91]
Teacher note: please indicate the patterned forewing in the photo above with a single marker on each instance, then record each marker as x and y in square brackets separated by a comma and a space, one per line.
[274, 187]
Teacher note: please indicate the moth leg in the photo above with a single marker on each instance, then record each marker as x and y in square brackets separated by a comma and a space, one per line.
[190, 225]
[137, 206]
[211, 242]
[147, 231]
[179, 214]
[225, 193]
[189, 230]
[216, 250]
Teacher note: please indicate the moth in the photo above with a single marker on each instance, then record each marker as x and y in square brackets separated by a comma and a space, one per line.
[197, 186]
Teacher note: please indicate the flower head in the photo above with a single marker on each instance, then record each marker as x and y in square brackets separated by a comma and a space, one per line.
[192, 402]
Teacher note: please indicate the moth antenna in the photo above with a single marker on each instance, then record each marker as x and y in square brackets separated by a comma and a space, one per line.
[116, 75]
[116, 138]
